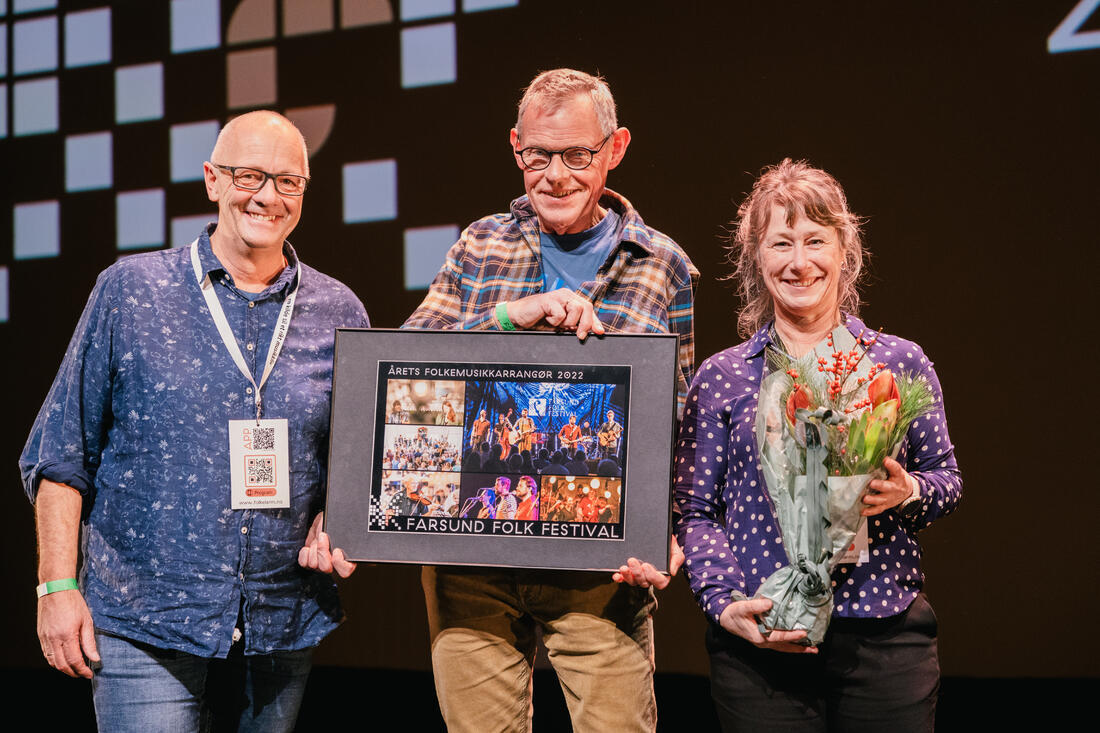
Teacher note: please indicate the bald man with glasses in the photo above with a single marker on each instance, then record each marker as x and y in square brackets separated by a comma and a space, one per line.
[182, 448]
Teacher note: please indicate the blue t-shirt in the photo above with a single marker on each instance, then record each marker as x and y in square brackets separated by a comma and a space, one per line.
[568, 260]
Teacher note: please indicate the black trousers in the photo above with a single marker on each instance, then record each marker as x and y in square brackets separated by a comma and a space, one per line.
[869, 675]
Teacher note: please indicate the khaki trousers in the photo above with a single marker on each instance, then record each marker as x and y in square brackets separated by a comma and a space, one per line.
[598, 635]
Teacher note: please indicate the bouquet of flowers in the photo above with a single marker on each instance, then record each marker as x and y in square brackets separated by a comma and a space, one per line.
[825, 424]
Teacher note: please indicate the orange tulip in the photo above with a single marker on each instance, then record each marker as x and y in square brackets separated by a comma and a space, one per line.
[799, 397]
[883, 388]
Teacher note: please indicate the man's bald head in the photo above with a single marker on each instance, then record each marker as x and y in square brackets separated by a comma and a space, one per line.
[256, 121]
[255, 222]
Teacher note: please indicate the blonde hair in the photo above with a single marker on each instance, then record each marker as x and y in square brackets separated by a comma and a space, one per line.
[800, 189]
[552, 88]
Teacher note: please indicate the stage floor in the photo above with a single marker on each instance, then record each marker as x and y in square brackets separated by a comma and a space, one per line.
[683, 701]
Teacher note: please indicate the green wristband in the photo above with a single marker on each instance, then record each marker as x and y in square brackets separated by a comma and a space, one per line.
[53, 586]
[502, 316]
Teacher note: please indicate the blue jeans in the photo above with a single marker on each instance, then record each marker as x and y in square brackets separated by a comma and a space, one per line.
[143, 688]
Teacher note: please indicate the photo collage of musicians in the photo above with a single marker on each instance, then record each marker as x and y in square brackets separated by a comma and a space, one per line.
[500, 449]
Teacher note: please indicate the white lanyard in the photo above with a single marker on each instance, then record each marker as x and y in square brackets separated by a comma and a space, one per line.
[218, 314]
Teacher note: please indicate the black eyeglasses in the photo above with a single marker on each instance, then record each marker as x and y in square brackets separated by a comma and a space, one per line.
[253, 179]
[576, 158]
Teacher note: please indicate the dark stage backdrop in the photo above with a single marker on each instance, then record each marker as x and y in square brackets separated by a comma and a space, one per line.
[970, 146]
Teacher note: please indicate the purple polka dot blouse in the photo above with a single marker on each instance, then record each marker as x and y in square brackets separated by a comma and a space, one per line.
[726, 522]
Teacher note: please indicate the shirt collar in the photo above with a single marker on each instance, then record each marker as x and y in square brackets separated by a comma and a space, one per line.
[631, 228]
[213, 267]
[759, 341]
[573, 242]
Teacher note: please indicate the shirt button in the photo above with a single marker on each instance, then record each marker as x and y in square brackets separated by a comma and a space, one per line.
[251, 304]
[244, 530]
[248, 390]
[250, 347]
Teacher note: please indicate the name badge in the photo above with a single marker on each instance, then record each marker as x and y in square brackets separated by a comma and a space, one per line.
[259, 461]
[857, 552]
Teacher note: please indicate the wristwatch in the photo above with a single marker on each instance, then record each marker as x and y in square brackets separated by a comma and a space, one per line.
[909, 508]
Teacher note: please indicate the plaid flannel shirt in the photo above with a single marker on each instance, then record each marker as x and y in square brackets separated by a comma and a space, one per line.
[647, 284]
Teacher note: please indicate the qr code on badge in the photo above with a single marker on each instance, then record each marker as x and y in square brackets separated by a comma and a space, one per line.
[263, 439]
[259, 471]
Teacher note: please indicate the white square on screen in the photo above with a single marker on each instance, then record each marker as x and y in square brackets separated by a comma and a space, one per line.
[37, 228]
[3, 110]
[3, 49]
[370, 191]
[196, 24]
[88, 37]
[88, 162]
[4, 311]
[425, 250]
[139, 218]
[473, 6]
[139, 93]
[186, 228]
[22, 6]
[35, 45]
[417, 9]
[428, 55]
[191, 144]
[35, 106]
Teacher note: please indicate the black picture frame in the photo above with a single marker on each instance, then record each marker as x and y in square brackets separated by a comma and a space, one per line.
[385, 460]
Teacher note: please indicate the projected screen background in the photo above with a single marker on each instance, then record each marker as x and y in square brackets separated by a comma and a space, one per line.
[964, 132]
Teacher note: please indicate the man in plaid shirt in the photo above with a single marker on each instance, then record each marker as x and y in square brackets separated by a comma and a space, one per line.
[570, 255]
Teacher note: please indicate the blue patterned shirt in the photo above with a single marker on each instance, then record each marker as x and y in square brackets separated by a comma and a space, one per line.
[137, 421]
[727, 525]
